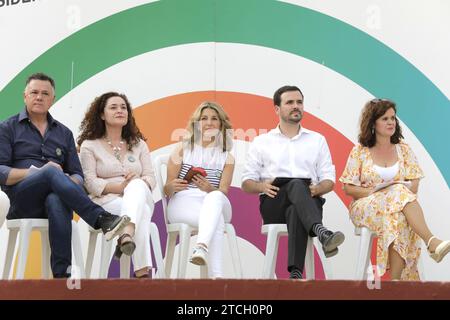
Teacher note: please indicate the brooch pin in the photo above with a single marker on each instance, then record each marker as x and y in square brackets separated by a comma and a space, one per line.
[58, 152]
[131, 158]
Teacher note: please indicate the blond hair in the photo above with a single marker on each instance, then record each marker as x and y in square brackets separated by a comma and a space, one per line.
[225, 126]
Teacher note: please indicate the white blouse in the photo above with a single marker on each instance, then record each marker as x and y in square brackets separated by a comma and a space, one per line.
[388, 173]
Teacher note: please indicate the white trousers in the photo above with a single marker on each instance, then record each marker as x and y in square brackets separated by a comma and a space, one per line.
[4, 207]
[208, 212]
[137, 203]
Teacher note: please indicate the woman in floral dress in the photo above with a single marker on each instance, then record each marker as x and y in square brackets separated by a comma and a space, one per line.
[393, 212]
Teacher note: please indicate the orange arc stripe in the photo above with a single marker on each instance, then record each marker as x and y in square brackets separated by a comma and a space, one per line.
[158, 119]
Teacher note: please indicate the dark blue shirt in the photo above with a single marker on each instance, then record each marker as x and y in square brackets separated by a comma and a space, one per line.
[22, 145]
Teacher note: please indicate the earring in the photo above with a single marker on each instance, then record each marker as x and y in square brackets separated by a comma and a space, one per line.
[373, 130]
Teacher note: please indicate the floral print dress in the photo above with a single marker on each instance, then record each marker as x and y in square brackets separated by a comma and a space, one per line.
[381, 211]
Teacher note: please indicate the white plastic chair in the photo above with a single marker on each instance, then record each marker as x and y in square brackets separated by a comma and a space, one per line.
[106, 254]
[274, 231]
[364, 268]
[364, 252]
[185, 231]
[25, 227]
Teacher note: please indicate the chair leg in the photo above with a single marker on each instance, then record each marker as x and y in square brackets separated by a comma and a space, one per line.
[45, 259]
[170, 251]
[420, 269]
[234, 250]
[12, 238]
[204, 272]
[309, 261]
[156, 245]
[185, 237]
[125, 262]
[77, 251]
[271, 254]
[25, 232]
[90, 254]
[364, 252]
[105, 258]
[327, 270]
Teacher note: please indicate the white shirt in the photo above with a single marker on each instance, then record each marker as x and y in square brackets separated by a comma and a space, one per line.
[305, 155]
[388, 173]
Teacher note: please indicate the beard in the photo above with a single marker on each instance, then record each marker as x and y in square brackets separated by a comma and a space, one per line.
[294, 117]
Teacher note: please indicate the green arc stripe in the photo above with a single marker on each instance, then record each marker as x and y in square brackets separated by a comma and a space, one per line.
[272, 24]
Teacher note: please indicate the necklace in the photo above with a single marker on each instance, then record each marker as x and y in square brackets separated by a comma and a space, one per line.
[116, 149]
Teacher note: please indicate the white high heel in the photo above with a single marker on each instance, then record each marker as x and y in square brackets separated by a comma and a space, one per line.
[441, 250]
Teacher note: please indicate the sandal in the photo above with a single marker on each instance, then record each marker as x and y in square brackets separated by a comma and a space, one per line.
[199, 256]
[144, 276]
[125, 247]
[441, 250]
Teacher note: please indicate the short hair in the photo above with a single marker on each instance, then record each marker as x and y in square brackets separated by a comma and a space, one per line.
[283, 89]
[40, 76]
[372, 111]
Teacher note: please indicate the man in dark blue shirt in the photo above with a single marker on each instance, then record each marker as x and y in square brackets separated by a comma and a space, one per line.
[42, 176]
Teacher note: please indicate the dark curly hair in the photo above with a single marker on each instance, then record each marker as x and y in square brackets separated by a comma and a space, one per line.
[93, 126]
[373, 110]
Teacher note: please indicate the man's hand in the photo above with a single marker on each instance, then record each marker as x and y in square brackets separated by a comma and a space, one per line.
[75, 180]
[315, 190]
[321, 188]
[268, 189]
[53, 164]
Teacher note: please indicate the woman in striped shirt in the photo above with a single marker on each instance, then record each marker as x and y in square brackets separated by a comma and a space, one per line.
[202, 201]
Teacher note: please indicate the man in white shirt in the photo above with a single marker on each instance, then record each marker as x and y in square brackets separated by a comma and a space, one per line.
[291, 168]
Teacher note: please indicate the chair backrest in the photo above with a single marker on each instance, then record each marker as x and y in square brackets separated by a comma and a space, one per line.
[4, 207]
[161, 167]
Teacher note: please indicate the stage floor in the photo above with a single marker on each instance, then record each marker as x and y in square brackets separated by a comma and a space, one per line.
[173, 289]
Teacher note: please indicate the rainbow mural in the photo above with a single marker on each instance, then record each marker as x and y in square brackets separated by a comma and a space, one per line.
[168, 56]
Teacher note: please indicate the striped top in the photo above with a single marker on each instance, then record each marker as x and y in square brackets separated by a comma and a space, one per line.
[213, 175]
[211, 159]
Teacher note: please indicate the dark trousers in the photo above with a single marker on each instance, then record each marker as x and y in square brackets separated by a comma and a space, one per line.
[294, 206]
[51, 194]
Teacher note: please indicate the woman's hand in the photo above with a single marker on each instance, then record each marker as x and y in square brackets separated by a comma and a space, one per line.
[202, 183]
[128, 177]
[176, 185]
[367, 189]
[358, 192]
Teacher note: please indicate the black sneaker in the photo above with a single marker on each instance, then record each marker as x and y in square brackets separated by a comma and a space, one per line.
[112, 224]
[295, 274]
[331, 241]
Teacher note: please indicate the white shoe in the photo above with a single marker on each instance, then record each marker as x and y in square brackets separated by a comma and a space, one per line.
[441, 250]
[198, 256]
